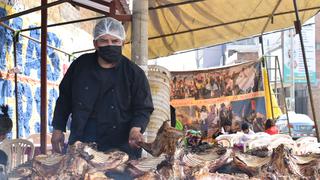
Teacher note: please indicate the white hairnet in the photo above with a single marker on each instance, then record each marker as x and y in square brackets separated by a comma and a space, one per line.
[109, 26]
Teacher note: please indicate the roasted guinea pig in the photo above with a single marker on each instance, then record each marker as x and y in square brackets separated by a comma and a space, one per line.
[165, 141]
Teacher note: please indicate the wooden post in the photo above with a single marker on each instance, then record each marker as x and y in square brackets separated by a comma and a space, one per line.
[139, 48]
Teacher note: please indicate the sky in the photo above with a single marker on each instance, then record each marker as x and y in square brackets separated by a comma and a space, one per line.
[183, 61]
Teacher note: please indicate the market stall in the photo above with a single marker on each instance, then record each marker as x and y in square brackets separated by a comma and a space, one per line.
[196, 19]
[173, 159]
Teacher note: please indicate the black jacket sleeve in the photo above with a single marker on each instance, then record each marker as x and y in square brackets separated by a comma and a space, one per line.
[142, 105]
[63, 104]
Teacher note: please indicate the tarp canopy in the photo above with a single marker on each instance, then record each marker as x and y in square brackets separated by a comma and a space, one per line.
[103, 6]
[179, 25]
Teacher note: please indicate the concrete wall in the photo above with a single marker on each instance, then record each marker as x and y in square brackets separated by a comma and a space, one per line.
[213, 56]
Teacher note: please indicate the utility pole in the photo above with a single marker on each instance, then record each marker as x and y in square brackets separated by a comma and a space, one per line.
[292, 89]
[139, 48]
[139, 45]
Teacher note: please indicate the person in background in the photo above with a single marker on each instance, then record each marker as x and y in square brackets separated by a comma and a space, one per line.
[225, 129]
[270, 128]
[245, 129]
[3, 161]
[248, 134]
[5, 128]
[5, 122]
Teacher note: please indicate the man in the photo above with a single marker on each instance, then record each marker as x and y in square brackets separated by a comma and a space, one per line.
[226, 128]
[107, 94]
[222, 130]
[248, 134]
[245, 129]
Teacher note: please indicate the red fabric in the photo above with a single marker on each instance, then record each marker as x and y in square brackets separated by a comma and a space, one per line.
[272, 130]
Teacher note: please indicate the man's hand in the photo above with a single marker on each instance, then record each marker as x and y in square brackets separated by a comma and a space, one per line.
[57, 141]
[135, 137]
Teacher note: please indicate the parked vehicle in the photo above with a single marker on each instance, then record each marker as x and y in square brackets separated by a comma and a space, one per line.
[300, 124]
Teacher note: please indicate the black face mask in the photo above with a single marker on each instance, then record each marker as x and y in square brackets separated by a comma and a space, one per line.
[110, 54]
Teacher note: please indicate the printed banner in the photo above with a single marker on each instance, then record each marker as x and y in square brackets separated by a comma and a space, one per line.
[293, 55]
[209, 100]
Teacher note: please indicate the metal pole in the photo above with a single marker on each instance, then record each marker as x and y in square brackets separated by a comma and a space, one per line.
[270, 18]
[54, 48]
[32, 39]
[284, 97]
[64, 23]
[261, 42]
[123, 17]
[15, 40]
[112, 8]
[298, 28]
[32, 10]
[175, 4]
[229, 23]
[43, 112]
[275, 80]
[82, 51]
[206, 47]
[139, 46]
[15, 35]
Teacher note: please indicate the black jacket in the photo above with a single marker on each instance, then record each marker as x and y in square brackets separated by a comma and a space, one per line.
[79, 91]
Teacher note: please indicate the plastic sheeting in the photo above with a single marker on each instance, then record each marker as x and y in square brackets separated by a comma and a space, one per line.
[270, 106]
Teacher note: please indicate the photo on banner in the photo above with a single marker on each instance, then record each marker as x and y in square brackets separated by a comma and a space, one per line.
[211, 99]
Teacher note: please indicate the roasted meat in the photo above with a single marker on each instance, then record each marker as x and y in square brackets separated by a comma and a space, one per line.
[282, 163]
[80, 162]
[165, 141]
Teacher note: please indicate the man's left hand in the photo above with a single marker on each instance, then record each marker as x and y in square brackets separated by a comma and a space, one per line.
[135, 137]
